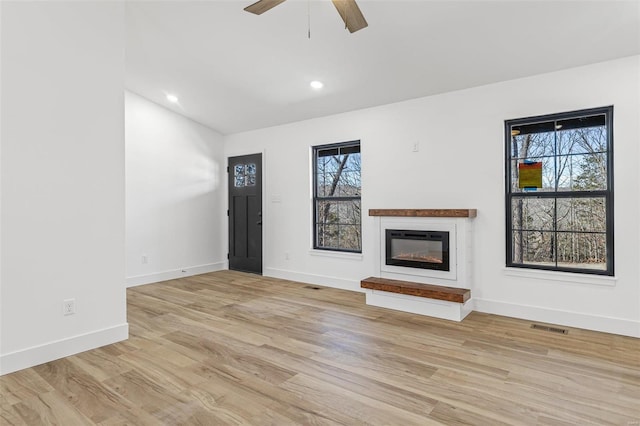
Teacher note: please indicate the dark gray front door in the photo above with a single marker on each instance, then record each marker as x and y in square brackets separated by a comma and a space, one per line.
[245, 213]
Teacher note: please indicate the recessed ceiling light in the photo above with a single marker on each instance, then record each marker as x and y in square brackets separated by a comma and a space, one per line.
[172, 98]
[316, 85]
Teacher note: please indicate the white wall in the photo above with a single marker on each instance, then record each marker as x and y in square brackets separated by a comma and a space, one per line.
[62, 179]
[174, 204]
[460, 165]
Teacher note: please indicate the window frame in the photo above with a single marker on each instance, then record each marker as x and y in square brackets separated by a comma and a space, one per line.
[316, 199]
[607, 194]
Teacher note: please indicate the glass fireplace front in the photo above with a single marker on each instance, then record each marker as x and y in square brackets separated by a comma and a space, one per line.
[418, 249]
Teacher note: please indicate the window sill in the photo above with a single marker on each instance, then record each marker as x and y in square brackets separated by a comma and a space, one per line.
[566, 277]
[336, 254]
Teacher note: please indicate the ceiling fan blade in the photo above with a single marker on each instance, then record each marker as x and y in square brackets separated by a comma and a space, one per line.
[262, 6]
[350, 14]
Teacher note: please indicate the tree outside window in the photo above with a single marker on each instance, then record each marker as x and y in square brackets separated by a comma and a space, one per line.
[565, 221]
[336, 197]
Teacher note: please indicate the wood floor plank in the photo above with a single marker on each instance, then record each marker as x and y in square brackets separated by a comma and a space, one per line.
[149, 393]
[101, 364]
[241, 349]
[365, 385]
[22, 385]
[51, 408]
[83, 391]
[229, 356]
[360, 407]
[240, 397]
[450, 415]
[9, 416]
[526, 403]
[291, 416]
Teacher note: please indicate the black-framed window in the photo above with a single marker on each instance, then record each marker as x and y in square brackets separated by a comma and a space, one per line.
[336, 197]
[559, 192]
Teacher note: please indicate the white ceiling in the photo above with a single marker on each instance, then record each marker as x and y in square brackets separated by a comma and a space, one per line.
[234, 71]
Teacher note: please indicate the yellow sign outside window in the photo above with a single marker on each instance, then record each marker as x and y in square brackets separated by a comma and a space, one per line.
[530, 175]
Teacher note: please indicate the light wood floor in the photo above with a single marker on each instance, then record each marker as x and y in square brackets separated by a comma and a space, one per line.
[232, 348]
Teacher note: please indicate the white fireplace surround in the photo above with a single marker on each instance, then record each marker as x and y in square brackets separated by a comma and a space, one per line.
[459, 225]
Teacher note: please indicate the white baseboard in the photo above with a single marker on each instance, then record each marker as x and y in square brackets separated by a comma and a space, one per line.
[37, 355]
[175, 273]
[324, 280]
[619, 326]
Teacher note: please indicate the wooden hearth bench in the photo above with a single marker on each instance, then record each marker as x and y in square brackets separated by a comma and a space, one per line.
[438, 301]
[429, 291]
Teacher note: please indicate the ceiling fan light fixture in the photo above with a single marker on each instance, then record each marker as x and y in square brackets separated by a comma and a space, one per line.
[316, 85]
[348, 10]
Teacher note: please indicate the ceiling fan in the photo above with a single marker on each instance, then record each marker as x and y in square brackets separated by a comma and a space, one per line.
[348, 10]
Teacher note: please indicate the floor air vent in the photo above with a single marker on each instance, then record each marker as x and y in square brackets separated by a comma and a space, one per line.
[551, 329]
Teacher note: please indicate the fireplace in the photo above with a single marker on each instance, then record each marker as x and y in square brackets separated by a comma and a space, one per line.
[417, 249]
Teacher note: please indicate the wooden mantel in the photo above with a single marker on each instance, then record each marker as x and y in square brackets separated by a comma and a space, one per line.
[424, 212]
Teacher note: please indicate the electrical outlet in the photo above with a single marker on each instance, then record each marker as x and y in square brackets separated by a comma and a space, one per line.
[69, 307]
[416, 147]
[286, 255]
[145, 259]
